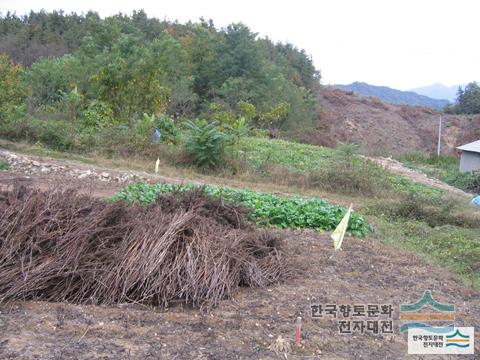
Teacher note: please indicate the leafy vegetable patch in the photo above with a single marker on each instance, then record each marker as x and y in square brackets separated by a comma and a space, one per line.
[266, 209]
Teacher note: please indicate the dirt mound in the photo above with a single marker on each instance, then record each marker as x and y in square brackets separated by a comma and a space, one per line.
[386, 128]
[62, 246]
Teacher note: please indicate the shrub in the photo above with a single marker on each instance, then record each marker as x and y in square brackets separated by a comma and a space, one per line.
[220, 114]
[170, 133]
[9, 113]
[145, 125]
[49, 78]
[205, 143]
[348, 149]
[70, 136]
[12, 87]
[126, 141]
[71, 104]
[352, 175]
[275, 117]
[469, 181]
[4, 165]
[87, 140]
[56, 134]
[98, 114]
[433, 210]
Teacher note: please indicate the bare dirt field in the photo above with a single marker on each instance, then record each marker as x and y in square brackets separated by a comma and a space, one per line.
[365, 272]
[387, 128]
[249, 325]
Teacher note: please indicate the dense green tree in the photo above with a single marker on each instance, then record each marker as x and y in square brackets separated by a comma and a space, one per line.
[202, 56]
[12, 88]
[128, 81]
[49, 78]
[238, 53]
[468, 100]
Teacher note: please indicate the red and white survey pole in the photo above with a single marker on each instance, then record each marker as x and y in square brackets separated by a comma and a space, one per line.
[298, 331]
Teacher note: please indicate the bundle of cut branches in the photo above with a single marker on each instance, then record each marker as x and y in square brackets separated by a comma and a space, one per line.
[59, 245]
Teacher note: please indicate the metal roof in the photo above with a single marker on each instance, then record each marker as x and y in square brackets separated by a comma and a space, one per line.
[473, 146]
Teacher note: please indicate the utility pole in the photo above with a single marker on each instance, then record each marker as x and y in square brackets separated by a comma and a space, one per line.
[439, 135]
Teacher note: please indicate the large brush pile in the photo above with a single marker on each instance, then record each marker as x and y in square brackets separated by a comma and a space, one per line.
[63, 246]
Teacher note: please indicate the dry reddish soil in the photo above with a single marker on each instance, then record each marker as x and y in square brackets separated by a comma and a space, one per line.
[249, 325]
[382, 127]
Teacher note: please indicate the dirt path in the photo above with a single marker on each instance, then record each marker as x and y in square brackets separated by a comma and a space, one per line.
[101, 181]
[398, 168]
[46, 171]
[33, 167]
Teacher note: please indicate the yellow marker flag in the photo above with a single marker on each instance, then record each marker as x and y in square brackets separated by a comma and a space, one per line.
[157, 164]
[339, 232]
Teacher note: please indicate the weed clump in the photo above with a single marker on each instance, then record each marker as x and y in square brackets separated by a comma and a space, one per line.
[433, 210]
[354, 176]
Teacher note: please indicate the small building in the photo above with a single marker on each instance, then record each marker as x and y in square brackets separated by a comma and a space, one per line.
[470, 157]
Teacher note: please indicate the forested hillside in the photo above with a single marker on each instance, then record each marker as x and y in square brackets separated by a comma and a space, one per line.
[109, 72]
[81, 82]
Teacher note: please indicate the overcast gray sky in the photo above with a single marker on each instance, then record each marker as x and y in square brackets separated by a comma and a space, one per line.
[397, 43]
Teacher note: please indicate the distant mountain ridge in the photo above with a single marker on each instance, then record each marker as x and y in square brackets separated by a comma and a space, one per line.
[393, 96]
[439, 91]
